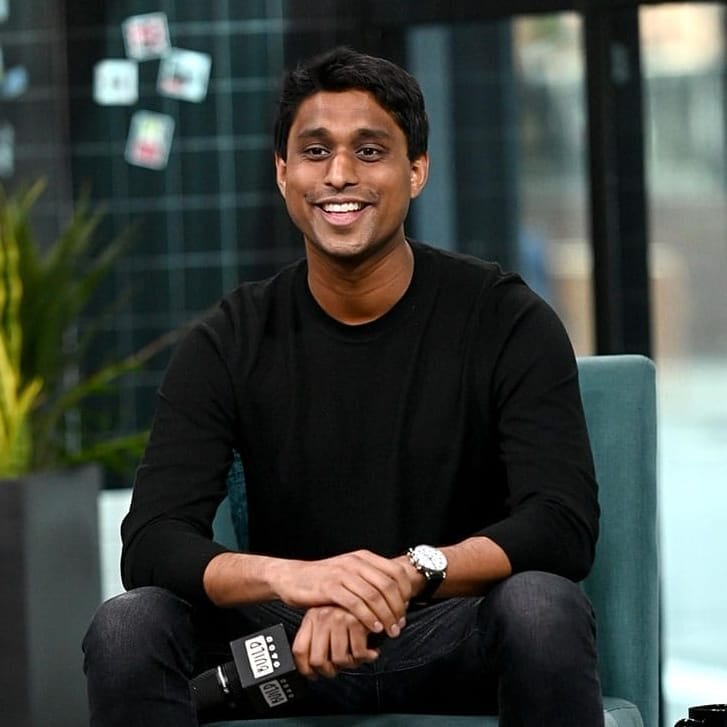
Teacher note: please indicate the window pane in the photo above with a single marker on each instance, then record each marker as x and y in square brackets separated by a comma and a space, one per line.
[508, 180]
[684, 77]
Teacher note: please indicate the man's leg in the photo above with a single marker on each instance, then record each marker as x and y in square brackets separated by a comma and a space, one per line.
[437, 665]
[533, 634]
[540, 630]
[139, 654]
[526, 650]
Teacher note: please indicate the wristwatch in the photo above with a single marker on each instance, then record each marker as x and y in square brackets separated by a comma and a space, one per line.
[432, 564]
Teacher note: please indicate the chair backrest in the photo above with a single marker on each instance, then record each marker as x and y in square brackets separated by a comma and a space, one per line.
[619, 398]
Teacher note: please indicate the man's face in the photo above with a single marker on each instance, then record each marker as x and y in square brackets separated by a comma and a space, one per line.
[347, 180]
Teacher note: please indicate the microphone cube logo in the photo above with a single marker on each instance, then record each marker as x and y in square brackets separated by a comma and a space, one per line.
[261, 655]
[273, 693]
[265, 665]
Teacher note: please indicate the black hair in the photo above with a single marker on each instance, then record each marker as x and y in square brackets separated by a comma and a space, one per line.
[343, 69]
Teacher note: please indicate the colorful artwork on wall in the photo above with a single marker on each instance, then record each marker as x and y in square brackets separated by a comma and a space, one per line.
[116, 82]
[150, 139]
[146, 36]
[183, 75]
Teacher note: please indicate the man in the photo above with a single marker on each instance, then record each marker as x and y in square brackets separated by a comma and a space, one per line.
[416, 459]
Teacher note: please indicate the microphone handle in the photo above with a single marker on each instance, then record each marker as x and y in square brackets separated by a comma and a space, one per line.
[216, 686]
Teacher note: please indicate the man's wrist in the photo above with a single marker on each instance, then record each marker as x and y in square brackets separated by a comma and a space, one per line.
[232, 579]
[277, 575]
[417, 580]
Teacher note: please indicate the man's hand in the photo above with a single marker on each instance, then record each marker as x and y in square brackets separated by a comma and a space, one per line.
[330, 639]
[374, 590]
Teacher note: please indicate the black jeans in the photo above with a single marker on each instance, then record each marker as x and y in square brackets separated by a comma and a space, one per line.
[526, 650]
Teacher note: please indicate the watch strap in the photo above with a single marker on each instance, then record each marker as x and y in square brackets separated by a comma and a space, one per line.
[434, 580]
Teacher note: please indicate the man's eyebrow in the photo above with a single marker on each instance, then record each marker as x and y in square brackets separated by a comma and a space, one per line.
[321, 132]
[366, 133]
[313, 133]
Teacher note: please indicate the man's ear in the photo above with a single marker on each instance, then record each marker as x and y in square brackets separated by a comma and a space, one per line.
[419, 174]
[281, 173]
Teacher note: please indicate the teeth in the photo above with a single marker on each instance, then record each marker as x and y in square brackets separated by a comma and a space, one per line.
[343, 207]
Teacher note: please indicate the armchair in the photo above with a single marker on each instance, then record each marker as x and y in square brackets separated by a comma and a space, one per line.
[620, 404]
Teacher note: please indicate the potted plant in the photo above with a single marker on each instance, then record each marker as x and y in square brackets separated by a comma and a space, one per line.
[49, 482]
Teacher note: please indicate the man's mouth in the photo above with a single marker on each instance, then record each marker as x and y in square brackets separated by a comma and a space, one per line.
[340, 207]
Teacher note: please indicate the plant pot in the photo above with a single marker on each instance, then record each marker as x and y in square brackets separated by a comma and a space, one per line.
[49, 571]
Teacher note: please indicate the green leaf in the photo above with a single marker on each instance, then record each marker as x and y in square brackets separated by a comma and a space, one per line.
[118, 454]
[46, 289]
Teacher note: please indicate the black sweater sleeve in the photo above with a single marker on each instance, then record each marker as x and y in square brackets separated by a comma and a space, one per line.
[543, 441]
[167, 535]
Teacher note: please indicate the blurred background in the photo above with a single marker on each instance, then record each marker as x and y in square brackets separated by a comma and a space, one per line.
[582, 144]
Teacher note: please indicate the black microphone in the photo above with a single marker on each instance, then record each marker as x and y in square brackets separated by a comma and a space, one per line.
[262, 672]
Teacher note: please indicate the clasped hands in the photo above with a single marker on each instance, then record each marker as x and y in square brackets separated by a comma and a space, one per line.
[347, 597]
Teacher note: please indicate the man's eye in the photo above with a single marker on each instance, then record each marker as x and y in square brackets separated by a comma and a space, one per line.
[316, 151]
[369, 152]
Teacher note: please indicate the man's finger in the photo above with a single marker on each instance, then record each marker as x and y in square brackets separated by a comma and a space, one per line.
[301, 650]
[371, 607]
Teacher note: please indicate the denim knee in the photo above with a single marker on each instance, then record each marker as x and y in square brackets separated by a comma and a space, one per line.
[541, 628]
[543, 620]
[139, 652]
[137, 628]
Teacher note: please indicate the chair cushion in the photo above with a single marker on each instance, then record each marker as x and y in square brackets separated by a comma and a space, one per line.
[617, 713]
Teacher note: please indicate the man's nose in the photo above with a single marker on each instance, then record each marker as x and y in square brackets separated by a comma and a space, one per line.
[341, 170]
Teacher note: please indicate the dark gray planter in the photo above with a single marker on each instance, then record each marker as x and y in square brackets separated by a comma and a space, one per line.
[49, 589]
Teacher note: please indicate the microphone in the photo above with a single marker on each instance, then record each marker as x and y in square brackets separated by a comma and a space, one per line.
[262, 672]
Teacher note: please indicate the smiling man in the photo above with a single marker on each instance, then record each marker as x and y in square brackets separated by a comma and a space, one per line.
[420, 490]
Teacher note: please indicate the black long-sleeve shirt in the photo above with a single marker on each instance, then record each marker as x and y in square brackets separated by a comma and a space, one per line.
[456, 413]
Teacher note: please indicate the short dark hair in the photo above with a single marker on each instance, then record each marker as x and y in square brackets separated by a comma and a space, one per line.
[343, 69]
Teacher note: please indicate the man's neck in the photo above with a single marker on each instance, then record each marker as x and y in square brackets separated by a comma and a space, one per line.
[357, 293]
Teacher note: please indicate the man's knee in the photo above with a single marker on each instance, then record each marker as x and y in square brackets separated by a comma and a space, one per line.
[134, 626]
[541, 615]
[542, 630]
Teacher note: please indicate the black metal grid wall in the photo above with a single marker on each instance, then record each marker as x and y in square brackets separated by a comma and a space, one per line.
[209, 218]
[34, 112]
[213, 216]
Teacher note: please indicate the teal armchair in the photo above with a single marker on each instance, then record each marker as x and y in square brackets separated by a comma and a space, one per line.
[619, 397]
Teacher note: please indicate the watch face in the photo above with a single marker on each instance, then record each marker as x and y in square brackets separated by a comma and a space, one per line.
[430, 558]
